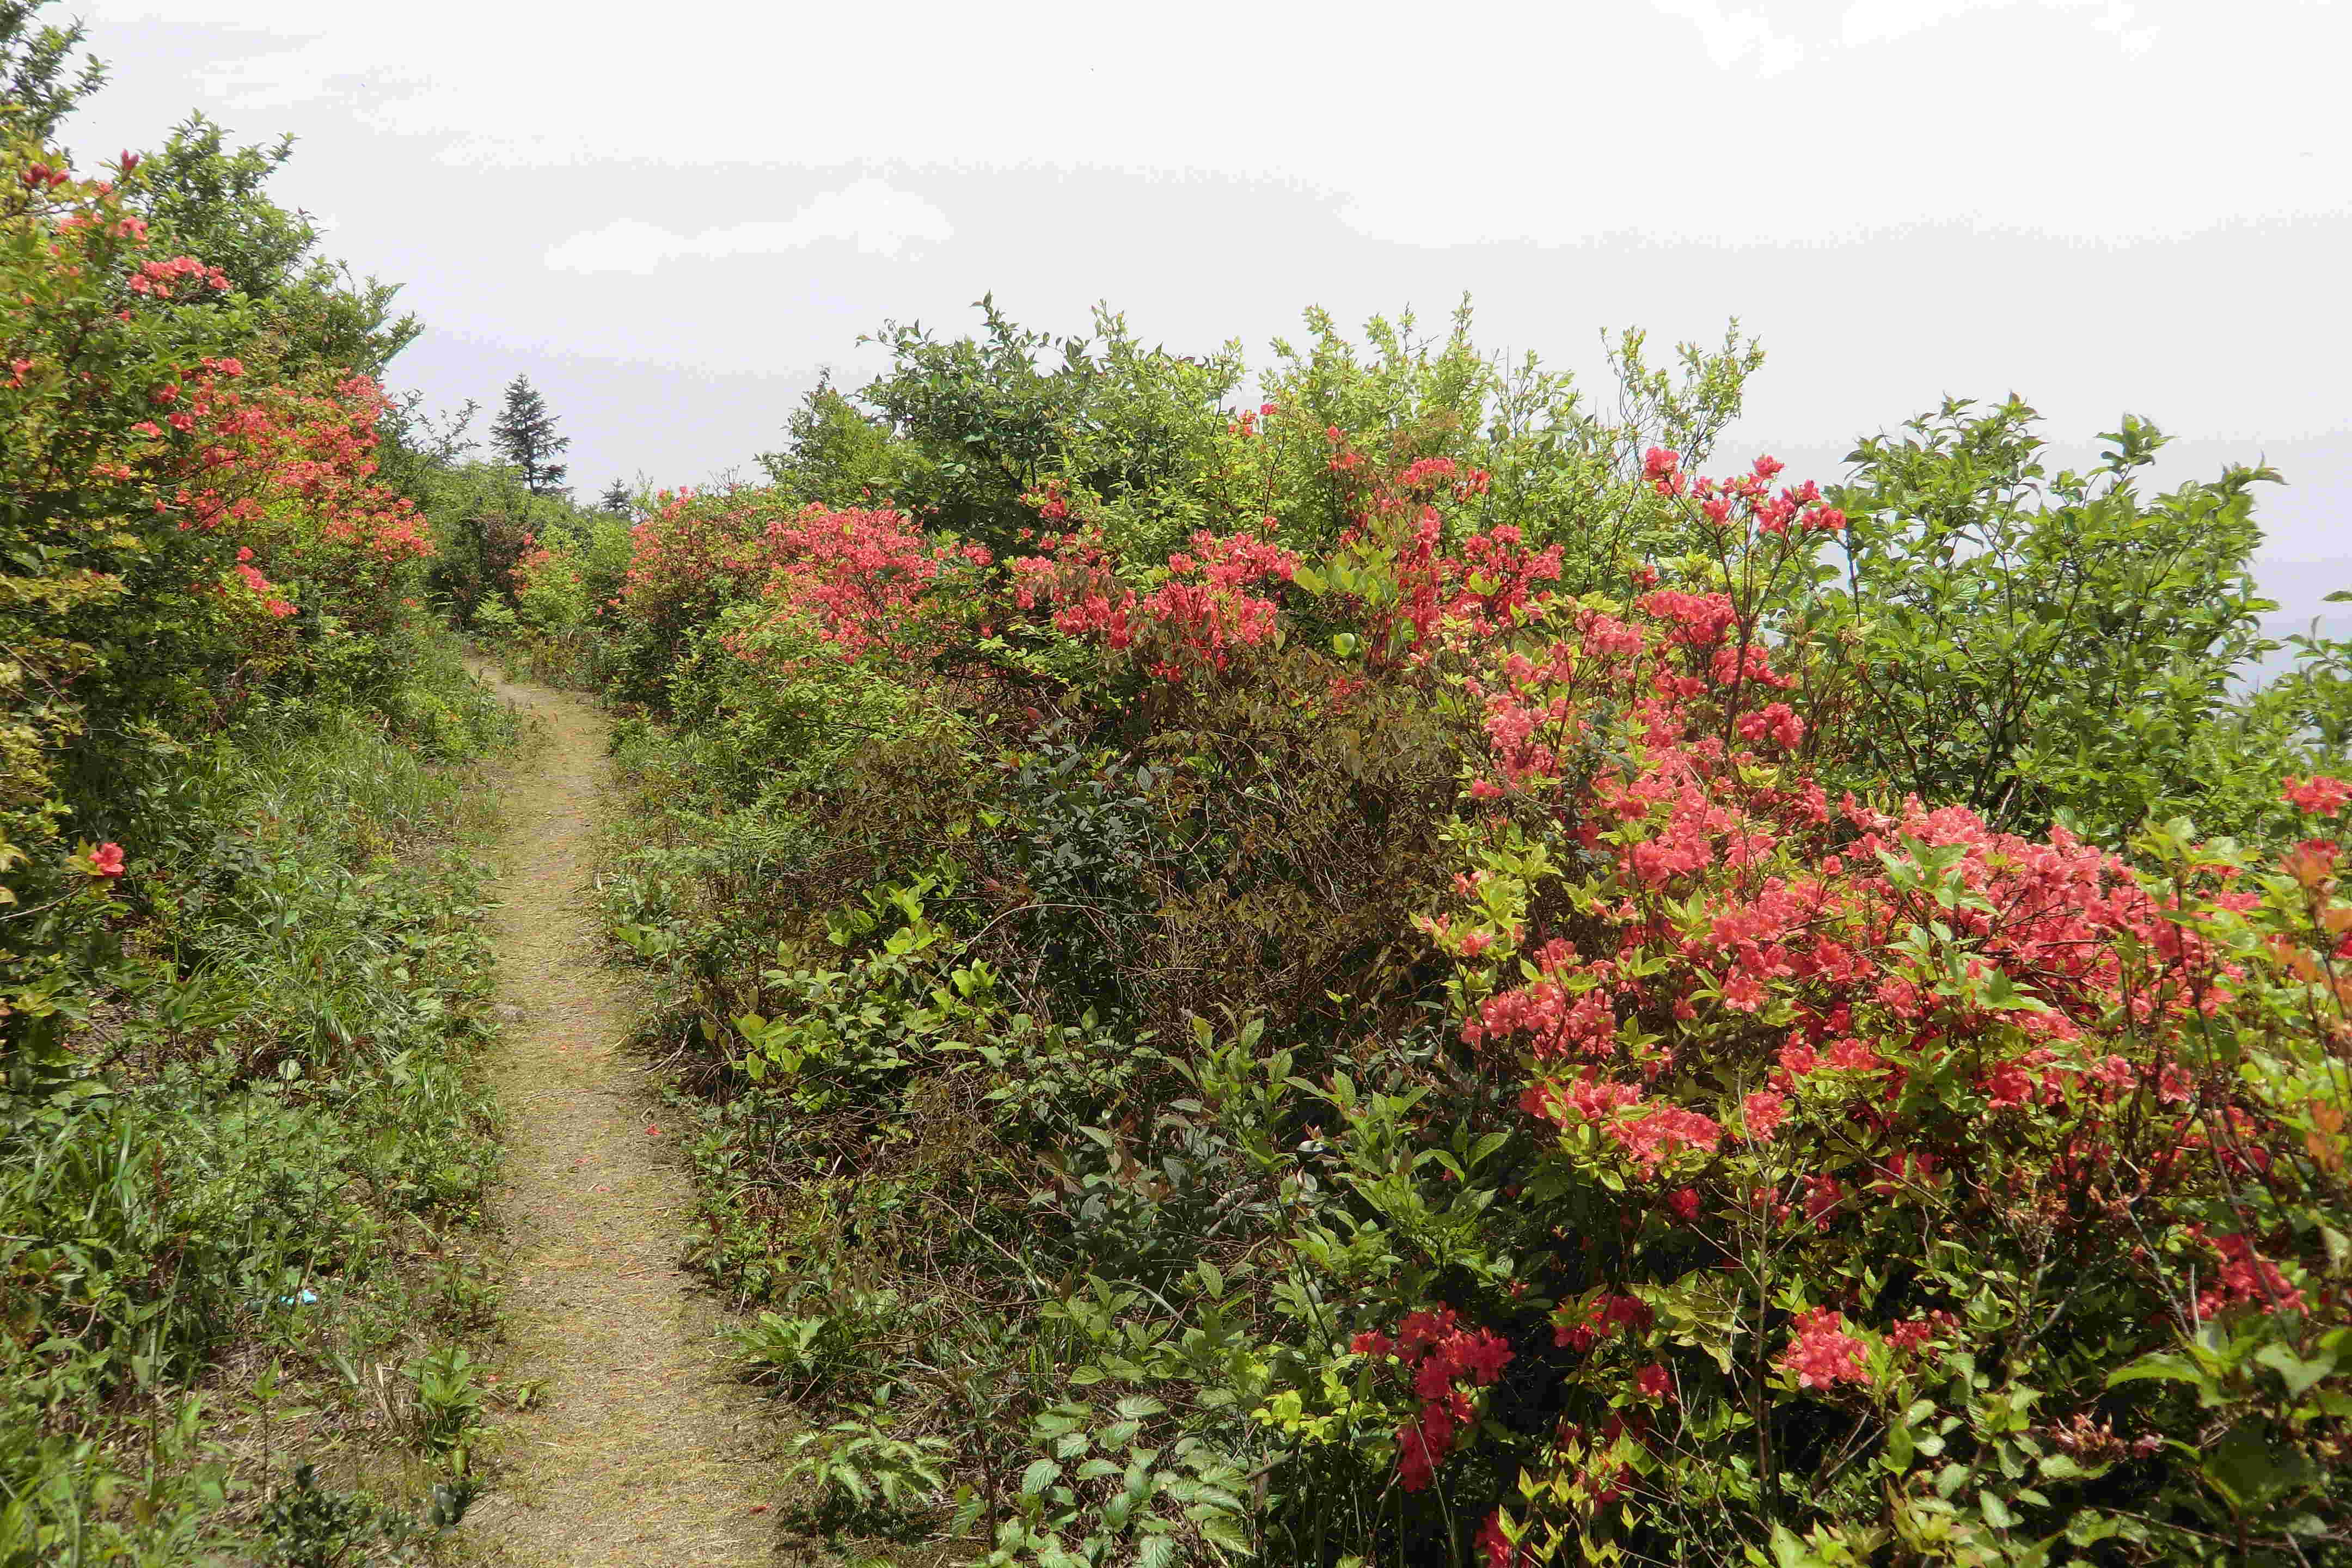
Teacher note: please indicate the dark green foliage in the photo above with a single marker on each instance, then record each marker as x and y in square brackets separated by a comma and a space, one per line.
[982, 421]
[310, 1525]
[979, 419]
[1084, 839]
[524, 435]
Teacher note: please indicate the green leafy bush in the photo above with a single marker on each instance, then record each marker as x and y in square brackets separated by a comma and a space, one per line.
[266, 1092]
[1377, 1031]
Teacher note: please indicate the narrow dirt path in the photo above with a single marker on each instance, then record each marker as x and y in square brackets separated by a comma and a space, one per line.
[642, 1452]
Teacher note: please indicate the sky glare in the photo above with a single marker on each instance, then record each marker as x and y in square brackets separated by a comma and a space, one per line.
[672, 218]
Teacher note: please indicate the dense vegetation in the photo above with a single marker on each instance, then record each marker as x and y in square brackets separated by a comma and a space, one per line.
[241, 975]
[1378, 971]
[1384, 971]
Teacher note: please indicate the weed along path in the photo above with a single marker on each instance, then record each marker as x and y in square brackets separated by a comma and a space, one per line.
[640, 1450]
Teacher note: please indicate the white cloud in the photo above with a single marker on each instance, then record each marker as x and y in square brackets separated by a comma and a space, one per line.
[878, 218]
[1731, 38]
[1556, 123]
[1903, 197]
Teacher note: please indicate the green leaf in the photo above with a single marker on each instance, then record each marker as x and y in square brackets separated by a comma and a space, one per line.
[2296, 1373]
[2251, 1469]
[1225, 1531]
[2165, 1366]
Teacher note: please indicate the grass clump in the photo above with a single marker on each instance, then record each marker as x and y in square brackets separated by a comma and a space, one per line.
[234, 1303]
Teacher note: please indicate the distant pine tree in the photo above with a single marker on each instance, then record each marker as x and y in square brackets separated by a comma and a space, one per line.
[615, 498]
[525, 435]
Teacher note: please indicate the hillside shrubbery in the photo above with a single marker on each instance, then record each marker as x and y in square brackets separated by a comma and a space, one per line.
[1386, 973]
[241, 977]
[1396, 976]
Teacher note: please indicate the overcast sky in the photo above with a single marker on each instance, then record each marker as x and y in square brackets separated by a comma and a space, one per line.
[671, 216]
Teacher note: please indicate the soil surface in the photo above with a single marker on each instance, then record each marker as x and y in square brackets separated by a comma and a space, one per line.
[640, 1450]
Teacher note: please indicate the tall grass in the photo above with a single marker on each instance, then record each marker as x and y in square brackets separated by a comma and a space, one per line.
[224, 1234]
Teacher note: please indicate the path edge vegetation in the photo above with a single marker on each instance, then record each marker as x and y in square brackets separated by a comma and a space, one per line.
[1404, 974]
[1407, 968]
[243, 989]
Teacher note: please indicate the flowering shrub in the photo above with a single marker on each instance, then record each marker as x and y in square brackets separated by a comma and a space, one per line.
[1444, 1367]
[187, 527]
[1399, 575]
[1204, 608]
[862, 576]
[215, 1124]
[864, 579]
[1615, 1124]
[1842, 1109]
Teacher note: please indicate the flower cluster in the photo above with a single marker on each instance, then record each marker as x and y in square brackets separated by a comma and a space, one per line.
[868, 579]
[1744, 501]
[1208, 603]
[1822, 1353]
[179, 275]
[1445, 1363]
[1417, 582]
[1750, 1025]
[2317, 795]
[862, 575]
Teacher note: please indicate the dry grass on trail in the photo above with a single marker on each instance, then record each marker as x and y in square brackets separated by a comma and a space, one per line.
[641, 1450]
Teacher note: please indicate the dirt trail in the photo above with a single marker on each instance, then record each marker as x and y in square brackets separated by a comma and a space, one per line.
[641, 1453]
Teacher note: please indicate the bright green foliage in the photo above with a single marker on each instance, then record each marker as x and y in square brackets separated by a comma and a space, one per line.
[1016, 429]
[1251, 1007]
[1098, 1494]
[311, 313]
[2314, 699]
[243, 1153]
[980, 421]
[1561, 472]
[862, 1471]
[2035, 646]
[776, 711]
[36, 93]
[838, 455]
